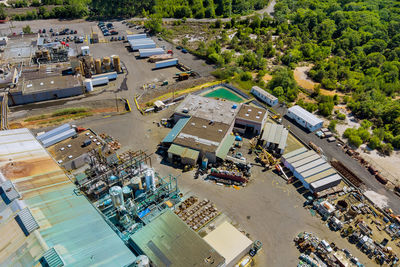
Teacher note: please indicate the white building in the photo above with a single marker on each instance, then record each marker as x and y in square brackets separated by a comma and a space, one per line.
[305, 118]
[264, 96]
[275, 136]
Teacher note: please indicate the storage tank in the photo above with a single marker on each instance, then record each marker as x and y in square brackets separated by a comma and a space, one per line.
[142, 261]
[97, 65]
[136, 183]
[150, 180]
[116, 195]
[46, 54]
[116, 63]
[38, 54]
[113, 178]
[89, 85]
[107, 63]
[127, 191]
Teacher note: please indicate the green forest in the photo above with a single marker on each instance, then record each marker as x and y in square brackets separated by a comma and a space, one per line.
[354, 48]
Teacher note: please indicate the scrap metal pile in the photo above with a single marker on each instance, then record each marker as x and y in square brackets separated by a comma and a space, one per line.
[111, 142]
[197, 214]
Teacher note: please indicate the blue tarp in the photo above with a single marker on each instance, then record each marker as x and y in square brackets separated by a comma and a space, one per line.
[175, 131]
[144, 213]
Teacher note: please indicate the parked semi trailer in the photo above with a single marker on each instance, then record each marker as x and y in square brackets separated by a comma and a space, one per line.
[166, 63]
[151, 52]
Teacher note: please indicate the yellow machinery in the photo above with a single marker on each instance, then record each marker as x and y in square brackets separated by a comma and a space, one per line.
[266, 157]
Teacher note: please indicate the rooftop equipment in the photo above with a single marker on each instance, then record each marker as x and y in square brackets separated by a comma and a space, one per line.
[117, 196]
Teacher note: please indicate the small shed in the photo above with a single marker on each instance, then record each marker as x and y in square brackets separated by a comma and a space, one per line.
[275, 136]
[186, 155]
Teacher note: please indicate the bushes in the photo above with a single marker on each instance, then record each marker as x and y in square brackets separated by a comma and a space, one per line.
[245, 76]
[341, 116]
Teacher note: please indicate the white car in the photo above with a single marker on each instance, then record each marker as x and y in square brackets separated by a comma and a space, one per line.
[326, 246]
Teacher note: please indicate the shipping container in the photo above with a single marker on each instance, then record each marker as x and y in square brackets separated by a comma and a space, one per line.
[325, 183]
[100, 81]
[136, 36]
[110, 75]
[166, 63]
[55, 131]
[151, 52]
[143, 46]
[59, 137]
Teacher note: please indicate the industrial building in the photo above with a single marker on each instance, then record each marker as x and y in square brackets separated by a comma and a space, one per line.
[274, 137]
[264, 96]
[204, 128]
[234, 249]
[168, 241]
[43, 221]
[73, 152]
[304, 118]
[250, 119]
[311, 169]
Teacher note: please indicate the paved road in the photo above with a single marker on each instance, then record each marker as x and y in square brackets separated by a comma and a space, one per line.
[332, 151]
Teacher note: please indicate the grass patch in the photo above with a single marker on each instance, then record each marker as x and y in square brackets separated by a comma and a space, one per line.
[35, 118]
[69, 111]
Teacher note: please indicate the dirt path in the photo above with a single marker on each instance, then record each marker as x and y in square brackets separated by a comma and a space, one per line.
[302, 79]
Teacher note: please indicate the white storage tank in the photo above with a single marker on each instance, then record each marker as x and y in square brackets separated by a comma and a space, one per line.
[150, 180]
[142, 261]
[89, 85]
[85, 50]
[117, 196]
[136, 183]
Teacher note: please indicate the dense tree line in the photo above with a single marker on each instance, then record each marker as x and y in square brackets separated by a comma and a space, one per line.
[175, 8]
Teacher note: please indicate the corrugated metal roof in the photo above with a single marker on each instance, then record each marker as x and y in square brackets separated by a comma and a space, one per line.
[184, 152]
[316, 170]
[330, 179]
[175, 130]
[320, 175]
[168, 241]
[54, 131]
[293, 153]
[8, 192]
[305, 115]
[225, 146]
[306, 160]
[58, 138]
[265, 93]
[67, 220]
[301, 156]
[26, 221]
[311, 165]
[51, 259]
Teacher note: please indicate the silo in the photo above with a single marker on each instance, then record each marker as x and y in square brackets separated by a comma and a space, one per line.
[89, 85]
[117, 196]
[97, 64]
[142, 261]
[136, 183]
[107, 63]
[116, 63]
[150, 180]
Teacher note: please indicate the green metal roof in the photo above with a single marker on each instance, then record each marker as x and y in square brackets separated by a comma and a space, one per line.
[225, 146]
[168, 241]
[184, 152]
[175, 130]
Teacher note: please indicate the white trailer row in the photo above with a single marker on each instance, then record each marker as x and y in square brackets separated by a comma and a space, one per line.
[148, 52]
[142, 44]
[166, 63]
[136, 36]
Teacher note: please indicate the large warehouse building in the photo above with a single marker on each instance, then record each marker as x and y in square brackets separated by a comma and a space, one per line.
[311, 169]
[305, 118]
[43, 221]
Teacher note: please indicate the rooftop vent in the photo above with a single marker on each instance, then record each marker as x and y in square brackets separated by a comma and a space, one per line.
[246, 114]
[41, 83]
[204, 126]
[52, 82]
[220, 130]
[257, 117]
[249, 110]
[193, 124]
[259, 112]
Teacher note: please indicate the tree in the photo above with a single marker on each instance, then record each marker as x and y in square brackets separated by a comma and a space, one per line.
[154, 23]
[26, 29]
[3, 14]
[374, 142]
[387, 149]
[278, 91]
[332, 125]
[355, 140]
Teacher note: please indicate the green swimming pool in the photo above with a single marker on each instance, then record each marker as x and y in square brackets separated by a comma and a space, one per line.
[224, 93]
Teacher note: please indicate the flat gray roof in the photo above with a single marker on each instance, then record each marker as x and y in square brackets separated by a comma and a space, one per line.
[311, 165]
[315, 170]
[305, 160]
[208, 108]
[301, 156]
[276, 134]
[320, 175]
[327, 180]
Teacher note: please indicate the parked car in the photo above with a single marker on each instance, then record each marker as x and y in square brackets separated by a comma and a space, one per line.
[107, 34]
[44, 31]
[114, 32]
[184, 50]
[109, 25]
[112, 39]
[320, 134]
[51, 30]
[179, 47]
[119, 38]
[123, 38]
